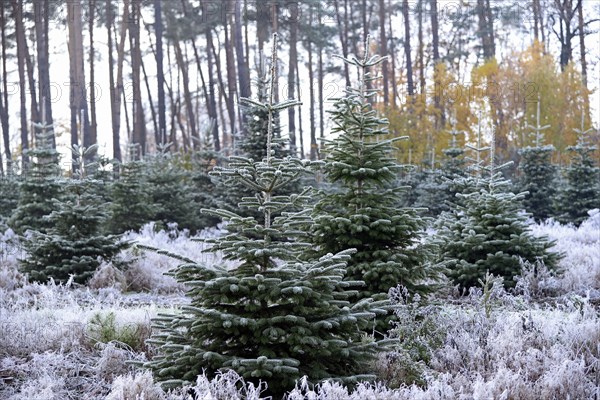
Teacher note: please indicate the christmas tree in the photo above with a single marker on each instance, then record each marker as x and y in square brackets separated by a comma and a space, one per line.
[365, 212]
[438, 190]
[582, 189]
[538, 174]
[74, 245]
[487, 231]
[9, 197]
[169, 186]
[40, 185]
[132, 204]
[271, 317]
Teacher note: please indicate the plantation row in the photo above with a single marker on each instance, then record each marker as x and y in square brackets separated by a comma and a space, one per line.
[311, 266]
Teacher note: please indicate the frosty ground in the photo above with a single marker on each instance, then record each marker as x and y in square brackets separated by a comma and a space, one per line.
[541, 341]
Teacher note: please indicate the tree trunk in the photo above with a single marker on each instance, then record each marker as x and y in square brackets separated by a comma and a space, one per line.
[343, 31]
[212, 102]
[435, 37]
[231, 78]
[172, 103]
[486, 29]
[300, 130]
[222, 95]
[4, 116]
[581, 27]
[393, 57]
[139, 123]
[94, 124]
[409, 70]
[313, 138]
[160, 73]
[20, 36]
[118, 89]
[187, 95]
[320, 78]
[421, 50]
[243, 69]
[384, 52]
[535, 6]
[151, 104]
[292, 67]
[41, 15]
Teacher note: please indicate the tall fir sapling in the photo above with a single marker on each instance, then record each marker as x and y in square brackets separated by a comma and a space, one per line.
[538, 174]
[40, 185]
[132, 205]
[272, 317]
[365, 213]
[170, 189]
[437, 192]
[487, 231]
[75, 244]
[581, 192]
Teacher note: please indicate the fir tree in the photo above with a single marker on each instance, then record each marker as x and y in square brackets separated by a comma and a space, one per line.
[582, 189]
[365, 213]
[40, 186]
[487, 231]
[437, 192]
[74, 245]
[272, 317]
[9, 197]
[132, 205]
[538, 174]
[169, 186]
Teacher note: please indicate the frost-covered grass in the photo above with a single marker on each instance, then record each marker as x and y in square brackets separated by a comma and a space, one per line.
[540, 342]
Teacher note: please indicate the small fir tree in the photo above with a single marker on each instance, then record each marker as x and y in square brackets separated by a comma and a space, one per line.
[437, 192]
[40, 185]
[9, 197]
[365, 212]
[487, 231]
[75, 244]
[169, 186]
[538, 175]
[132, 205]
[581, 191]
[271, 317]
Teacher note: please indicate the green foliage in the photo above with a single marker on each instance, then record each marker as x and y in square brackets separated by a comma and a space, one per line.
[488, 232]
[132, 204]
[103, 328]
[39, 188]
[581, 191]
[273, 317]
[538, 175]
[9, 196]
[75, 245]
[366, 213]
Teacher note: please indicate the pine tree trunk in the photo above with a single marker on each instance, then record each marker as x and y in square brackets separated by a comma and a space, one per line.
[393, 57]
[41, 15]
[4, 115]
[20, 36]
[581, 27]
[409, 68]
[94, 124]
[222, 95]
[439, 116]
[212, 103]
[320, 78]
[243, 69]
[300, 130]
[343, 32]
[421, 49]
[34, 107]
[231, 78]
[118, 88]
[139, 123]
[384, 52]
[160, 73]
[151, 104]
[172, 103]
[292, 67]
[313, 138]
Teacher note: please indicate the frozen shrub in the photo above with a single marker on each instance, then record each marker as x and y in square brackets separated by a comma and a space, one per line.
[107, 276]
[140, 386]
